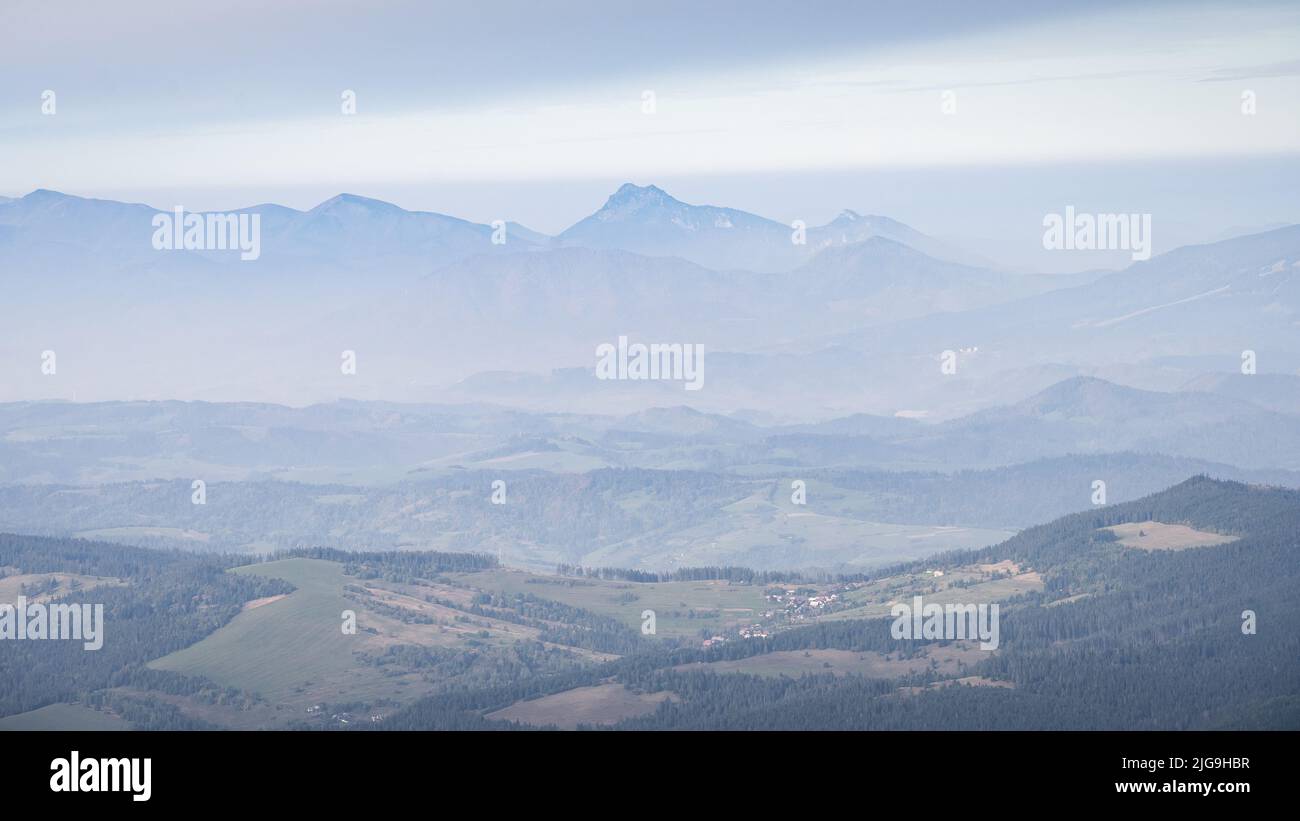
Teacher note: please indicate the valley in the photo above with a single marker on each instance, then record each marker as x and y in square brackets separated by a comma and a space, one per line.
[473, 642]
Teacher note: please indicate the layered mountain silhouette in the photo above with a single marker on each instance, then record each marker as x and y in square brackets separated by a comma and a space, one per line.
[856, 319]
[647, 220]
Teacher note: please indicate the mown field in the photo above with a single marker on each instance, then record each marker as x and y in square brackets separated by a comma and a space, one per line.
[716, 605]
[287, 649]
[598, 705]
[1150, 535]
[51, 585]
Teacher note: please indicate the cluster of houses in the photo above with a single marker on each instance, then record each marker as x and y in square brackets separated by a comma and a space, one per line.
[796, 607]
[753, 631]
[793, 604]
[343, 719]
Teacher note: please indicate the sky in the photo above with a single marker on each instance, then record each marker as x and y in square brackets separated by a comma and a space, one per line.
[934, 113]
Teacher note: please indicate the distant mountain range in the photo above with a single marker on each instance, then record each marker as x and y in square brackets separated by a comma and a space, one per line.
[92, 443]
[344, 232]
[647, 220]
[348, 227]
[857, 319]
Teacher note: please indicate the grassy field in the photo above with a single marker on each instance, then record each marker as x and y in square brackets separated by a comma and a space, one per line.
[964, 681]
[288, 650]
[63, 717]
[292, 651]
[985, 584]
[1159, 536]
[65, 584]
[601, 704]
[717, 604]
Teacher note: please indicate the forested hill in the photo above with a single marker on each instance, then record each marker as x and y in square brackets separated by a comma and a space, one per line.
[1120, 638]
[1125, 634]
[1252, 513]
[1157, 637]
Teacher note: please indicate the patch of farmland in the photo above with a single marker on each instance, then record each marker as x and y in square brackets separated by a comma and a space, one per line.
[64, 717]
[682, 609]
[1160, 536]
[598, 705]
[51, 585]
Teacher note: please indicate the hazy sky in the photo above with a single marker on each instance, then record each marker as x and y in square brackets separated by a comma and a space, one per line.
[533, 111]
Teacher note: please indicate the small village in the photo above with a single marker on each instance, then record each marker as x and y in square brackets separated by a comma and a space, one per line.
[789, 605]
